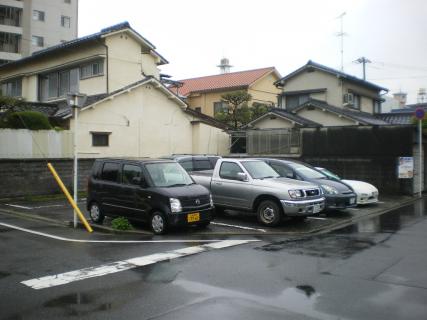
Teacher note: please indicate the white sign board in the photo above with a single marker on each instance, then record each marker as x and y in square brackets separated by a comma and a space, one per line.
[405, 169]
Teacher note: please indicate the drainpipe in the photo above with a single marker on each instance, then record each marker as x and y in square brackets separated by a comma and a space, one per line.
[106, 59]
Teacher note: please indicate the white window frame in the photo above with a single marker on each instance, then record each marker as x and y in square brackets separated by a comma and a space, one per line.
[38, 15]
[37, 41]
[66, 22]
[92, 69]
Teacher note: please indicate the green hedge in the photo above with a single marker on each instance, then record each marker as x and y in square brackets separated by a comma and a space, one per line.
[26, 120]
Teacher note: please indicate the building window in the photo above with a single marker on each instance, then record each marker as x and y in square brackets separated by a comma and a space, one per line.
[294, 101]
[65, 21]
[38, 15]
[220, 106]
[92, 69]
[356, 101]
[37, 41]
[198, 109]
[100, 139]
[10, 42]
[58, 84]
[12, 88]
[10, 16]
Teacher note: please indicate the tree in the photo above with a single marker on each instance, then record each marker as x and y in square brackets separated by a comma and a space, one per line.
[258, 109]
[237, 112]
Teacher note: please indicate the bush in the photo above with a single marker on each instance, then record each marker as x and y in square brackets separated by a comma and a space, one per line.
[26, 120]
[121, 223]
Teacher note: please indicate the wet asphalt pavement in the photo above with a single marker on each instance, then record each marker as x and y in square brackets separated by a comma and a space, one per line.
[373, 269]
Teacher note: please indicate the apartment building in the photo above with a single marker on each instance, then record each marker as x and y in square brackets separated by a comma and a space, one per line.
[27, 26]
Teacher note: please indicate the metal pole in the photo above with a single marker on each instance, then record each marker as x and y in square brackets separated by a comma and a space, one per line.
[420, 143]
[75, 162]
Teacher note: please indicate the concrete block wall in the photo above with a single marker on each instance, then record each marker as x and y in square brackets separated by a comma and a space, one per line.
[29, 177]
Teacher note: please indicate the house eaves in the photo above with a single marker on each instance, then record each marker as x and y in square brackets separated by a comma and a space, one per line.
[339, 74]
[359, 117]
[106, 97]
[290, 117]
[76, 43]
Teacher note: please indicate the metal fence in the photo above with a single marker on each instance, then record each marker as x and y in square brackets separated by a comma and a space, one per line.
[267, 142]
[26, 144]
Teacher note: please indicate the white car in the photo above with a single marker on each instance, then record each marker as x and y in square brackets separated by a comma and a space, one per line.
[366, 192]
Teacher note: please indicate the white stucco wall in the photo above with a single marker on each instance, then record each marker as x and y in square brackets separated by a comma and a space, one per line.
[325, 118]
[210, 140]
[142, 122]
[272, 123]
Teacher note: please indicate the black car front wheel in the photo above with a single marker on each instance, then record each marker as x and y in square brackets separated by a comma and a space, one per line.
[269, 213]
[95, 213]
[158, 223]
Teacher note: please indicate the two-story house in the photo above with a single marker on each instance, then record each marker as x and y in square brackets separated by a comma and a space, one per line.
[324, 97]
[203, 94]
[128, 111]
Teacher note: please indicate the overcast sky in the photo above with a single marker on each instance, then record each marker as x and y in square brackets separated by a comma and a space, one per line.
[193, 35]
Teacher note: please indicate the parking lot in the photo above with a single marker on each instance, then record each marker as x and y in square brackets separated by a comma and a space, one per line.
[232, 222]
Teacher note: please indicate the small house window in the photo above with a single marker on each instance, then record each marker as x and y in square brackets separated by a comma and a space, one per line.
[38, 15]
[198, 109]
[65, 21]
[100, 139]
[220, 106]
[92, 69]
[37, 41]
[12, 88]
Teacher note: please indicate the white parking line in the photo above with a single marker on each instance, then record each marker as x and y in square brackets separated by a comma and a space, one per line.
[234, 226]
[51, 236]
[355, 209]
[91, 272]
[317, 218]
[17, 206]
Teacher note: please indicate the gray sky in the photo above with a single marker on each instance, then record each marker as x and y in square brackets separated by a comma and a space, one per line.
[195, 34]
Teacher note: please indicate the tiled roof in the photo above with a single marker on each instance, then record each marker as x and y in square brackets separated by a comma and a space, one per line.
[80, 41]
[312, 64]
[206, 119]
[359, 116]
[294, 117]
[228, 81]
[48, 109]
[410, 108]
[397, 118]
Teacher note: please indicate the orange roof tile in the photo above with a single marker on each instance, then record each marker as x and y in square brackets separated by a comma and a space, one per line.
[233, 80]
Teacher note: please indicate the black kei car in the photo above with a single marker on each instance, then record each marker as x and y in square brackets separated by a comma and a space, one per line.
[158, 191]
[338, 195]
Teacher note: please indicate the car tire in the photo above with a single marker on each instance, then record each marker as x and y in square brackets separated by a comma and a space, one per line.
[158, 223]
[269, 213]
[95, 213]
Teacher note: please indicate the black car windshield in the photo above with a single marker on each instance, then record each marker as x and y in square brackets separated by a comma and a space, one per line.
[259, 169]
[307, 172]
[329, 174]
[168, 174]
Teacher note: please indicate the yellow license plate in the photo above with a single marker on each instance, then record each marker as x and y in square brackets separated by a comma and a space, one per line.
[193, 217]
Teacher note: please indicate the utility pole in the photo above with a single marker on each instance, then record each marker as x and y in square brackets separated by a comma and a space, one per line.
[364, 61]
[341, 34]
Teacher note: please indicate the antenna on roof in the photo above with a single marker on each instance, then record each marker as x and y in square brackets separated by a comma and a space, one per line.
[364, 61]
[341, 35]
[224, 65]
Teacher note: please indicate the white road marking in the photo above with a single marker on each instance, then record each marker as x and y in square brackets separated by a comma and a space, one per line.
[317, 218]
[17, 206]
[32, 208]
[355, 209]
[380, 201]
[234, 226]
[51, 236]
[114, 267]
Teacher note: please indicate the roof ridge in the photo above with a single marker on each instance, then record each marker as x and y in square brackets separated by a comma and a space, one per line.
[225, 74]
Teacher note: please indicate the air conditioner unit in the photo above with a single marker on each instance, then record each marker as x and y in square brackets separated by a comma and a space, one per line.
[348, 98]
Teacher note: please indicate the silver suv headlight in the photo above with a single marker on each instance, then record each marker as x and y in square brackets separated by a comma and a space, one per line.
[296, 194]
[175, 205]
[329, 190]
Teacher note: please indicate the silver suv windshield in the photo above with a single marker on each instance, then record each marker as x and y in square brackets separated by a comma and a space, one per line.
[168, 174]
[259, 170]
